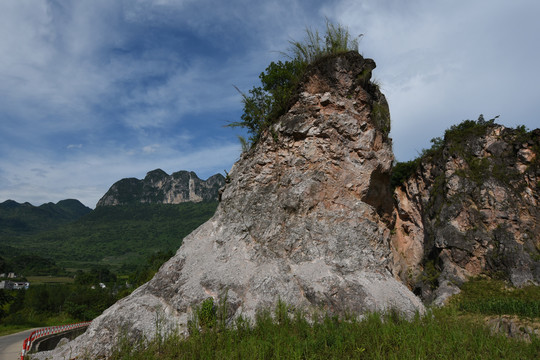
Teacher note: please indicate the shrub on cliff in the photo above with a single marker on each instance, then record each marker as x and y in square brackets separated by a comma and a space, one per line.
[264, 104]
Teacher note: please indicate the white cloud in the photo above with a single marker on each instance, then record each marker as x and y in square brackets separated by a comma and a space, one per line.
[443, 62]
[89, 176]
[150, 149]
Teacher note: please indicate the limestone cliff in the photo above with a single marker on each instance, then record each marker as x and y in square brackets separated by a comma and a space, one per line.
[159, 187]
[304, 218]
[471, 207]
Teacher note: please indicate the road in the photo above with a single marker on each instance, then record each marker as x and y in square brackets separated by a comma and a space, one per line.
[11, 345]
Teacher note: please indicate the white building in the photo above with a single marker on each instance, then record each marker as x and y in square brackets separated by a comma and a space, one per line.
[14, 285]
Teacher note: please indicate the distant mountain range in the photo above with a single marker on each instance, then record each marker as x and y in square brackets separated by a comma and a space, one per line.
[158, 187]
[153, 214]
[27, 218]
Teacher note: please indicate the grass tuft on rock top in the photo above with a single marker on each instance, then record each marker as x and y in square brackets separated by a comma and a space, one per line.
[286, 333]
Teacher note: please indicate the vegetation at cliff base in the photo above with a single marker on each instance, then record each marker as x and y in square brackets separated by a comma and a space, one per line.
[494, 297]
[443, 333]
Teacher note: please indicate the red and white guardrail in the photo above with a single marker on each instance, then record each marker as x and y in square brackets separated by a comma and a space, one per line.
[27, 344]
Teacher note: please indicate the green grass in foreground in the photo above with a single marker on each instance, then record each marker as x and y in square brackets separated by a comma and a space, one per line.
[443, 334]
[492, 297]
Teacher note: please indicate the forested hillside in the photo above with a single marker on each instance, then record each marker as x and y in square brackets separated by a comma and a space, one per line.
[16, 218]
[111, 235]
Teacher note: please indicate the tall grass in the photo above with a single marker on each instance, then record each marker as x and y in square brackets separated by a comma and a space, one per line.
[492, 297]
[337, 40]
[440, 335]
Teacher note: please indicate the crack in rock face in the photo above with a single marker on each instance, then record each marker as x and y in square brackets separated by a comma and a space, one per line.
[304, 219]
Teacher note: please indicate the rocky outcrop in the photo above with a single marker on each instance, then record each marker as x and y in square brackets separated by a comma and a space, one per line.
[514, 327]
[304, 218]
[159, 187]
[471, 207]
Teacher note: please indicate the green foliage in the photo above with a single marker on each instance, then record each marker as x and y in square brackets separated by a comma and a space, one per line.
[80, 300]
[431, 274]
[279, 80]
[141, 273]
[35, 265]
[402, 171]
[209, 316]
[380, 115]
[469, 128]
[98, 274]
[477, 169]
[244, 143]
[434, 150]
[264, 104]
[206, 314]
[5, 298]
[41, 303]
[87, 303]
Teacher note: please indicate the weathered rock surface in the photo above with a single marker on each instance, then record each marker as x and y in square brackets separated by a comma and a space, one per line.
[159, 187]
[514, 327]
[471, 208]
[303, 219]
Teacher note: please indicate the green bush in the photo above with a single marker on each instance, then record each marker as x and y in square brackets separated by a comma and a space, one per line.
[206, 314]
[264, 104]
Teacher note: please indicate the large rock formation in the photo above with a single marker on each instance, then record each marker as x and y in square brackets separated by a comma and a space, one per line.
[304, 218]
[159, 187]
[471, 207]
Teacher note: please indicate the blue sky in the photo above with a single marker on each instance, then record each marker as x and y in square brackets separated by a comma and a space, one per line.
[92, 91]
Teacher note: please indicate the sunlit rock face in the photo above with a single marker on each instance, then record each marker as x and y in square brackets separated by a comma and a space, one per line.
[471, 210]
[160, 188]
[304, 218]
